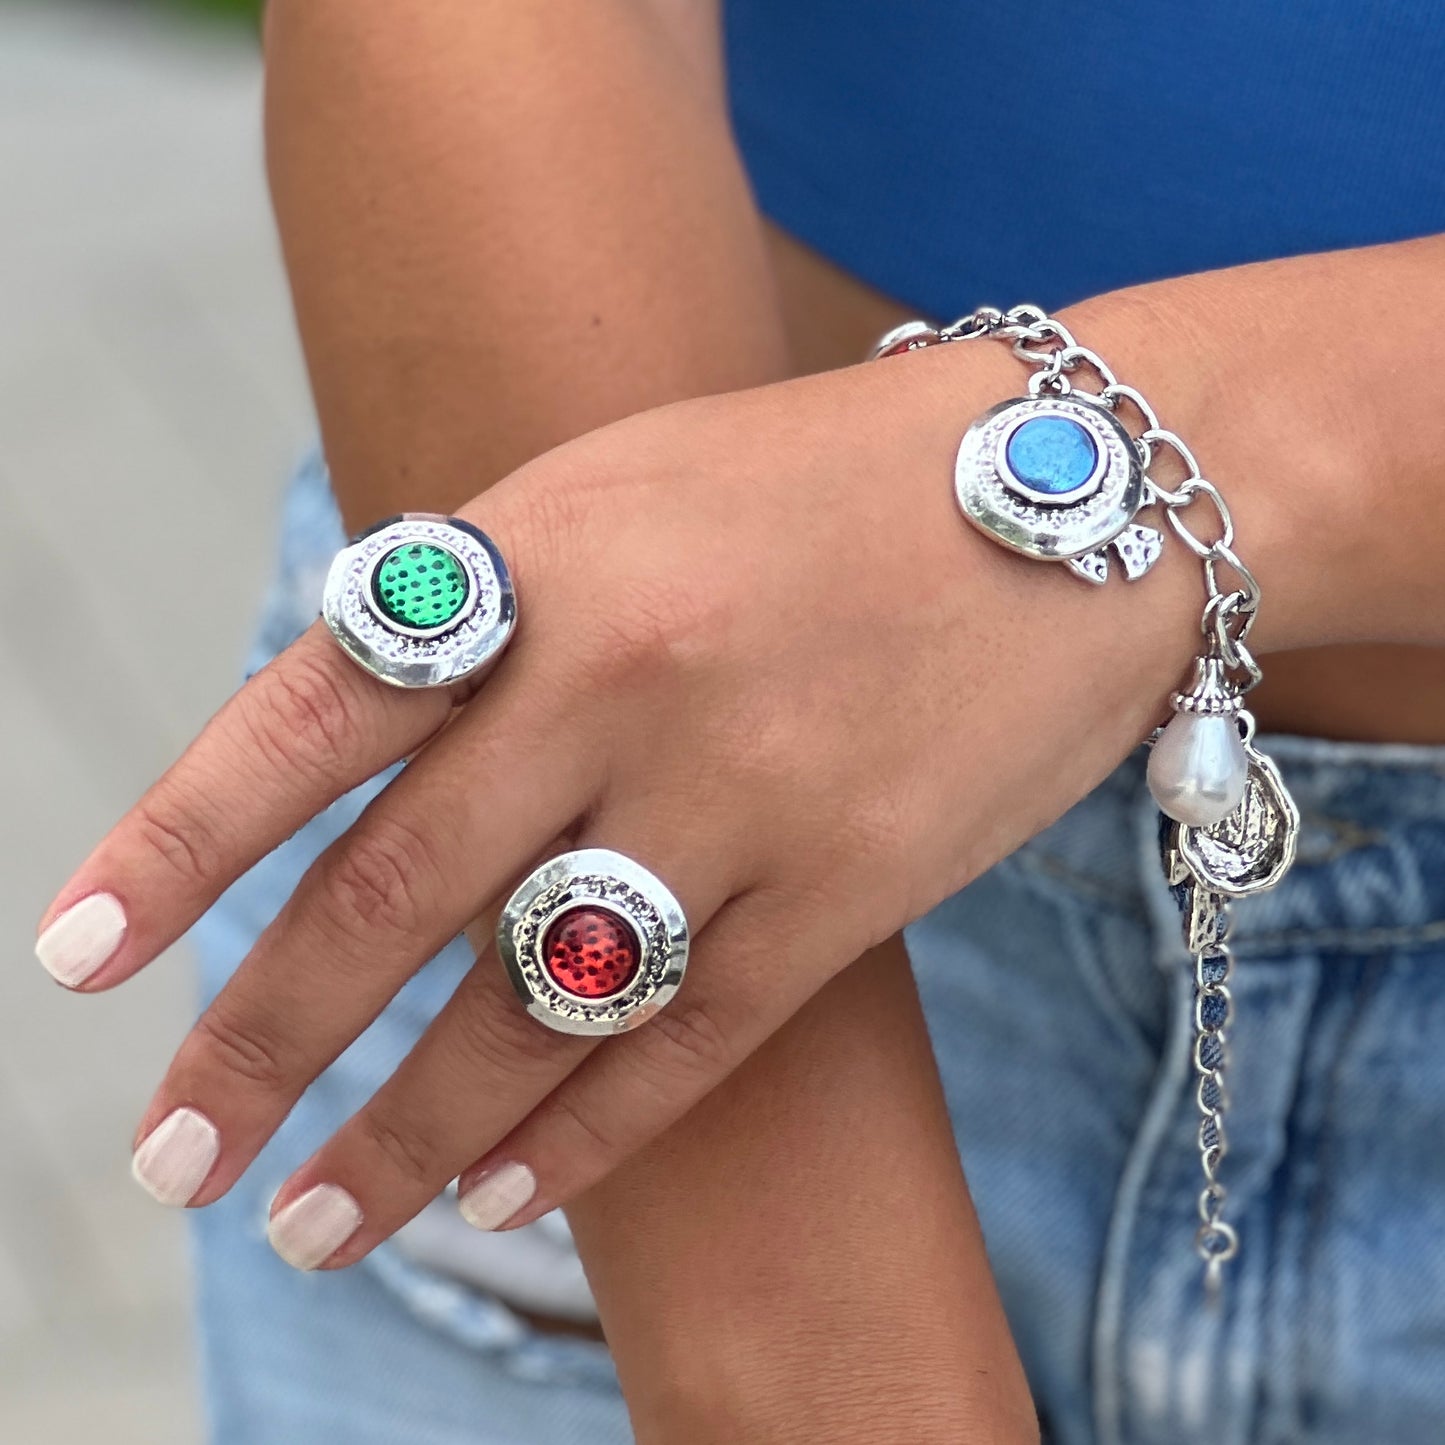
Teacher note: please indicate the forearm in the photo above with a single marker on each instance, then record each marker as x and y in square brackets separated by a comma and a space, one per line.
[800, 1260]
[496, 244]
[505, 225]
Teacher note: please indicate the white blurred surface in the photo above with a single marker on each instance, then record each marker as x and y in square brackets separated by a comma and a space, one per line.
[151, 400]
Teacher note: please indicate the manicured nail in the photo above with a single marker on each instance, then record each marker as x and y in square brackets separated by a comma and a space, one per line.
[312, 1228]
[173, 1160]
[78, 942]
[497, 1196]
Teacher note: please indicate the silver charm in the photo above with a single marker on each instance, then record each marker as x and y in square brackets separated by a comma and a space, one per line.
[421, 601]
[1198, 767]
[1235, 825]
[593, 943]
[1058, 479]
[1252, 849]
[1207, 865]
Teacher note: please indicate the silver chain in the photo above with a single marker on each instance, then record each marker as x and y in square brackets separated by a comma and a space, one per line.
[1232, 603]
[1206, 930]
[1216, 1241]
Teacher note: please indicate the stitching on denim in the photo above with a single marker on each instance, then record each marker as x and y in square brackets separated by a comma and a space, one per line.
[1370, 768]
[1089, 956]
[1364, 991]
[1112, 1343]
[1342, 837]
[1036, 861]
[1348, 940]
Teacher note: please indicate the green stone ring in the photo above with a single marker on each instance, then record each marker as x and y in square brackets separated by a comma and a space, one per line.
[421, 601]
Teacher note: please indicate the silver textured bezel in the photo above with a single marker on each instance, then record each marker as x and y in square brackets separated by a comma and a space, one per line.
[413, 657]
[1053, 528]
[609, 880]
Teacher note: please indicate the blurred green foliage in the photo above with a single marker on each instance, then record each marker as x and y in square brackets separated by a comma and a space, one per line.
[235, 9]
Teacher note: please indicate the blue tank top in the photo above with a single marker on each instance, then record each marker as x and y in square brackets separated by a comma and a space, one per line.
[956, 151]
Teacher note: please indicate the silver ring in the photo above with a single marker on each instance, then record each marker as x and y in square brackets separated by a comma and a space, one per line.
[593, 943]
[421, 600]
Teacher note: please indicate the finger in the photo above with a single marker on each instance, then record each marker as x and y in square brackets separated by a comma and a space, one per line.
[624, 1096]
[483, 1065]
[423, 858]
[306, 729]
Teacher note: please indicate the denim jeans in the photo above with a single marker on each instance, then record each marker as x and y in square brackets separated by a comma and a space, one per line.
[1058, 996]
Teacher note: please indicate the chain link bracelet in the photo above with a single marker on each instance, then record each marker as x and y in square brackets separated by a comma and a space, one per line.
[1059, 475]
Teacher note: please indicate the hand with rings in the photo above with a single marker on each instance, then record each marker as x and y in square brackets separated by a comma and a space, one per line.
[764, 700]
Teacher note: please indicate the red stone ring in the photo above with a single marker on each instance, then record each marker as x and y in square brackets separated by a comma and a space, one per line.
[593, 943]
[421, 601]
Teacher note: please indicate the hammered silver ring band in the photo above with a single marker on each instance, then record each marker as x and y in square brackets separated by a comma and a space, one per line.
[421, 601]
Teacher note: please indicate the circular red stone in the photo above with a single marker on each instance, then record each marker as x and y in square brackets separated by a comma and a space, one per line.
[591, 952]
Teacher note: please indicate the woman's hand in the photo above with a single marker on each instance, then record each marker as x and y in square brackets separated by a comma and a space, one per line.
[758, 651]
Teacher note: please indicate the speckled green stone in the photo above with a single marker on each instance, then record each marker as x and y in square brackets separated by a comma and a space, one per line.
[420, 585]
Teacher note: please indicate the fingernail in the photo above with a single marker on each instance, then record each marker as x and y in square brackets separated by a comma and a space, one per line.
[312, 1228]
[78, 942]
[497, 1196]
[173, 1160]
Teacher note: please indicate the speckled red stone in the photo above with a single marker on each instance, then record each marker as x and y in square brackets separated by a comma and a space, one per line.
[591, 953]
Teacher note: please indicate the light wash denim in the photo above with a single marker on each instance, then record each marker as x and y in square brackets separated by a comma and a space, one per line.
[1059, 999]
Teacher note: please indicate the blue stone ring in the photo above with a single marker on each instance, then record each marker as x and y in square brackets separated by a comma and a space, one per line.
[1057, 478]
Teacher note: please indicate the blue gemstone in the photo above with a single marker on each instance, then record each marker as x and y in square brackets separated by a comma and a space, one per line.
[1052, 454]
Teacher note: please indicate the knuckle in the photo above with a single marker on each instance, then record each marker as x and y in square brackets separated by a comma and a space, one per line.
[584, 1125]
[303, 714]
[242, 1046]
[540, 513]
[408, 1151]
[688, 1039]
[378, 878]
[761, 754]
[177, 839]
[498, 1036]
[659, 628]
[553, 512]
[878, 827]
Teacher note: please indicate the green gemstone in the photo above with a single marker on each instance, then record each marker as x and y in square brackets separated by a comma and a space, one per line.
[420, 585]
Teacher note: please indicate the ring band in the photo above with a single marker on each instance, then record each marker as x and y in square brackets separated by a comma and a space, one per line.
[593, 943]
[420, 600]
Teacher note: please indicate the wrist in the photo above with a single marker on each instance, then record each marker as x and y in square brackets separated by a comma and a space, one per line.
[1233, 409]
[736, 1386]
[1141, 634]
[1297, 413]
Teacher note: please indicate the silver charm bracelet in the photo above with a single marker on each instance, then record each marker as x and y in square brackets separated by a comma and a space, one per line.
[1057, 476]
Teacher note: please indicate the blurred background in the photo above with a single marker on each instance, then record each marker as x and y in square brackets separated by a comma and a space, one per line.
[151, 402]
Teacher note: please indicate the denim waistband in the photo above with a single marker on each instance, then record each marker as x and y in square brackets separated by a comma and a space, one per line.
[1369, 873]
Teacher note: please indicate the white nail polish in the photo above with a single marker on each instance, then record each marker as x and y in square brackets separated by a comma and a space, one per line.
[78, 942]
[497, 1196]
[172, 1161]
[312, 1228]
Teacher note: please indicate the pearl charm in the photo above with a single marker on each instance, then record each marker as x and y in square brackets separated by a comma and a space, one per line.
[1198, 768]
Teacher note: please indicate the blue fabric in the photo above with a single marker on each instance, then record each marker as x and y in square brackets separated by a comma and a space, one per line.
[956, 151]
[1059, 998]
